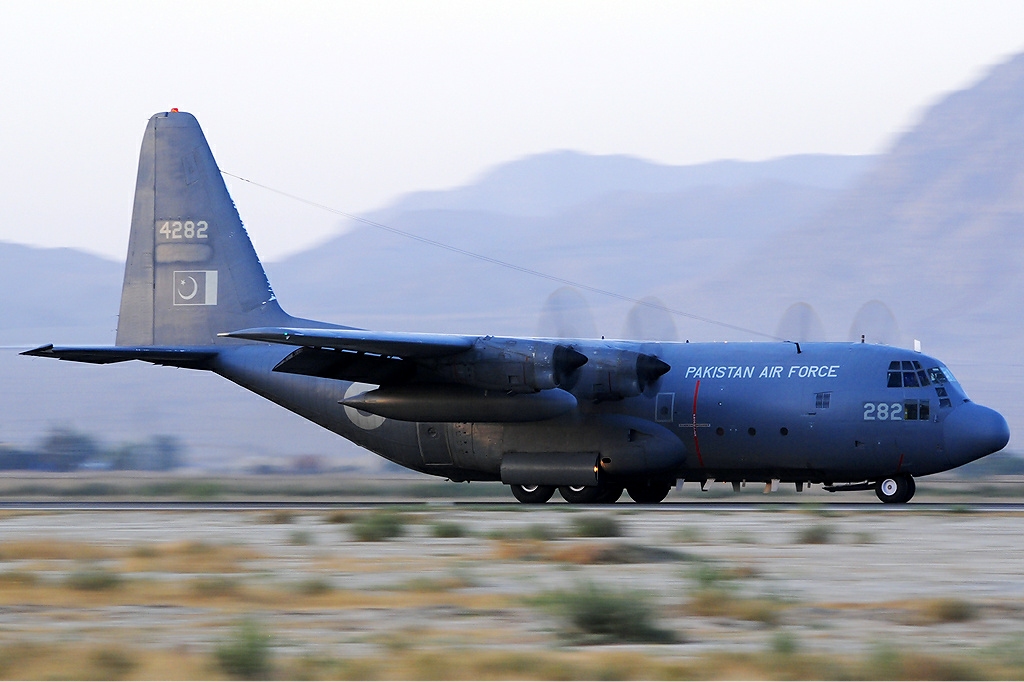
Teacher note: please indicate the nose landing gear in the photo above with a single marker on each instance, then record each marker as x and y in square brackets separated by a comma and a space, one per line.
[896, 489]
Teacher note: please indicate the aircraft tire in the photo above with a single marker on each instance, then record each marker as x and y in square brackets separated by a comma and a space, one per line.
[650, 492]
[533, 494]
[611, 495]
[581, 494]
[895, 489]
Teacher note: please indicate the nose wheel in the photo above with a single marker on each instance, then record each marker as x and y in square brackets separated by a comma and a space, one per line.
[896, 489]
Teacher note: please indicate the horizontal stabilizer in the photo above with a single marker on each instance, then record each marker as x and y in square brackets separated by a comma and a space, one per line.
[398, 344]
[102, 355]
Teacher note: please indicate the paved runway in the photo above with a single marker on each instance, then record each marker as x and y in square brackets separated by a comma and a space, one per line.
[502, 506]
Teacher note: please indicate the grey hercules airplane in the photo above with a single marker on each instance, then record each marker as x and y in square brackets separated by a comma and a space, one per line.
[589, 417]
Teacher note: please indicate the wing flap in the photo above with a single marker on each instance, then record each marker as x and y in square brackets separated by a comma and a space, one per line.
[347, 366]
[393, 344]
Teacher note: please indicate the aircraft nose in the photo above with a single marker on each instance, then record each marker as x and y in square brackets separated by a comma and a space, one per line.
[972, 431]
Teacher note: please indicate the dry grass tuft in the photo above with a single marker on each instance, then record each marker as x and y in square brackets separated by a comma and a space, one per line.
[278, 516]
[340, 516]
[941, 610]
[189, 557]
[720, 603]
[50, 550]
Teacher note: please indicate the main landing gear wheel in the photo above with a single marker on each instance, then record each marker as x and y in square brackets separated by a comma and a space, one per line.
[581, 494]
[611, 494]
[651, 492]
[896, 489]
[533, 494]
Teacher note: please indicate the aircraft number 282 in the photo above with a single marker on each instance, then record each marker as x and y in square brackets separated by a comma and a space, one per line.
[883, 412]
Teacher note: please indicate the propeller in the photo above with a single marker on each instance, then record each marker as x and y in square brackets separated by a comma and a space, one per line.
[566, 315]
[800, 323]
[649, 321]
[877, 324]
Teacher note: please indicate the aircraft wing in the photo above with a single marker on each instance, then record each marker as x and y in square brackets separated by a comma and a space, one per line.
[357, 354]
[103, 355]
[388, 344]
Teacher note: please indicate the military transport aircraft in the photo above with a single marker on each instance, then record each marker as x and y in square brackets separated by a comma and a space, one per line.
[590, 417]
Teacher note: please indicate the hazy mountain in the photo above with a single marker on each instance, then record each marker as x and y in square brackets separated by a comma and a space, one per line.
[626, 241]
[549, 183]
[57, 289]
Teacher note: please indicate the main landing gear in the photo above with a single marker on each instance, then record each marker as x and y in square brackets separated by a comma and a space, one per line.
[641, 492]
[896, 489]
[605, 493]
[533, 494]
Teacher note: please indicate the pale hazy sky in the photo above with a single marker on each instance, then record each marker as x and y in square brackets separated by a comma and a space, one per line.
[354, 103]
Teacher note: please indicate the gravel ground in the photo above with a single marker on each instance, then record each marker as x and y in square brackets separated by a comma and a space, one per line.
[844, 583]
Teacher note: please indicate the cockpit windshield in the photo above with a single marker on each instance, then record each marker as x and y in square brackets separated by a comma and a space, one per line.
[907, 374]
[941, 375]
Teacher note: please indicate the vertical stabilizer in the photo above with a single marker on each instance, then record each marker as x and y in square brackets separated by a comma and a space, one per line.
[191, 271]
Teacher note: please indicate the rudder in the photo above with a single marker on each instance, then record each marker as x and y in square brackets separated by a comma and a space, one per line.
[191, 270]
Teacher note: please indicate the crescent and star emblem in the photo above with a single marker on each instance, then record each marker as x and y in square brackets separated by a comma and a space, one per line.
[195, 288]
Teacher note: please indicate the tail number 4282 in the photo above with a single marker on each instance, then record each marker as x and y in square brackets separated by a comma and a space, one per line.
[183, 229]
[883, 412]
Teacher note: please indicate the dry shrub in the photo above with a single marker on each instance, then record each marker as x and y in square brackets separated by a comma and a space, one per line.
[278, 516]
[519, 550]
[379, 526]
[448, 529]
[93, 580]
[340, 516]
[720, 603]
[818, 534]
[300, 538]
[610, 553]
[593, 526]
[18, 579]
[314, 587]
[190, 557]
[215, 586]
[439, 584]
[246, 655]
[67, 661]
[942, 610]
[605, 615]
[46, 550]
[111, 664]
[887, 663]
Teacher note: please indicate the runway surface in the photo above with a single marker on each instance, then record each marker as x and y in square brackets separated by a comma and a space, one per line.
[498, 506]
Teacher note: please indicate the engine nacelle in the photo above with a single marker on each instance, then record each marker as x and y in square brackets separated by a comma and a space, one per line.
[614, 374]
[512, 365]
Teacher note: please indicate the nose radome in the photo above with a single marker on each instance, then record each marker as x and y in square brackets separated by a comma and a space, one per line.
[972, 431]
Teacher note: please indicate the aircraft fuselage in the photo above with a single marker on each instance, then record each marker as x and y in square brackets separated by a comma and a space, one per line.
[726, 411]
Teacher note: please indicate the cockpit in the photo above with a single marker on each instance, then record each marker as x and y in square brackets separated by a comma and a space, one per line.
[911, 374]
